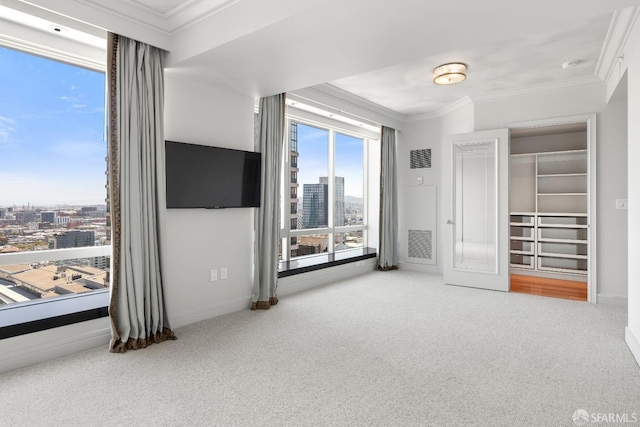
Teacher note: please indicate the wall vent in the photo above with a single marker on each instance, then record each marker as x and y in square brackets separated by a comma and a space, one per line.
[420, 244]
[420, 159]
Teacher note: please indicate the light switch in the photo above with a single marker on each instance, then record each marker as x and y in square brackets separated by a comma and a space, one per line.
[622, 204]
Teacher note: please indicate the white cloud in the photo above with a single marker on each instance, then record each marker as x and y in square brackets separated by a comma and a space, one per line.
[6, 129]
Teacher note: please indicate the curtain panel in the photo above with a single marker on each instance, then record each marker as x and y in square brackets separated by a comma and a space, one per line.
[136, 194]
[388, 242]
[271, 142]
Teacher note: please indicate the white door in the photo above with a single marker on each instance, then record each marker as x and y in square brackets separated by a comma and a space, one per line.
[476, 210]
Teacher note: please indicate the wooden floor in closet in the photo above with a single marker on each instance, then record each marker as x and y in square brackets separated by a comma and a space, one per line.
[556, 288]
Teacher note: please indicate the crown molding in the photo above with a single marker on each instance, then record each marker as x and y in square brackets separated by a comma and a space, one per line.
[352, 105]
[621, 25]
[538, 88]
[462, 102]
[135, 19]
[504, 94]
[180, 20]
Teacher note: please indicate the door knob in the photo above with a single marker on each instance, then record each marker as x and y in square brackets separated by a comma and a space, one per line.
[449, 222]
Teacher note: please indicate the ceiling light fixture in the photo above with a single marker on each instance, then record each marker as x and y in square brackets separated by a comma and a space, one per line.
[448, 74]
[570, 64]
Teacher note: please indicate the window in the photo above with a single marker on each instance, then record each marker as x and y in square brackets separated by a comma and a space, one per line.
[54, 240]
[327, 206]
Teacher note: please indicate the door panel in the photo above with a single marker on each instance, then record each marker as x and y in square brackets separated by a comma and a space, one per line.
[476, 234]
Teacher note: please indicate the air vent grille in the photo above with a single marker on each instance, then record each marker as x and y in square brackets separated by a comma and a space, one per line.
[420, 159]
[420, 244]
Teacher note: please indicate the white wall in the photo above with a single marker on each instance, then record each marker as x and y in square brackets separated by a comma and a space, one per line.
[632, 59]
[611, 185]
[420, 135]
[611, 169]
[417, 136]
[494, 114]
[199, 240]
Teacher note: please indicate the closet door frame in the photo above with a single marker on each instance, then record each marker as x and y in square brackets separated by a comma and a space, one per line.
[592, 247]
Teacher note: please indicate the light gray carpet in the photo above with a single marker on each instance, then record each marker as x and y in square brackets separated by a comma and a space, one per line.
[384, 349]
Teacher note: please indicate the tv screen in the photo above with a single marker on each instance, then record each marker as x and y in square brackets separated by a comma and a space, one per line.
[200, 176]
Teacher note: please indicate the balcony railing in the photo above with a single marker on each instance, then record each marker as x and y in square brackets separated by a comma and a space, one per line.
[54, 255]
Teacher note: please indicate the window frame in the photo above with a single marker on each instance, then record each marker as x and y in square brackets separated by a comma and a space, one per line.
[286, 232]
[40, 314]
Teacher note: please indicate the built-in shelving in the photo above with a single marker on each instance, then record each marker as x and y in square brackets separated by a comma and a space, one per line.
[549, 179]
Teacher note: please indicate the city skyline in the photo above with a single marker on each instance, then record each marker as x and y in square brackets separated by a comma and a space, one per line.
[51, 132]
[313, 158]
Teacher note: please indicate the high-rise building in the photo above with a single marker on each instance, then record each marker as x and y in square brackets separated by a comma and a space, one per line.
[49, 216]
[72, 239]
[293, 202]
[2, 213]
[339, 218]
[314, 205]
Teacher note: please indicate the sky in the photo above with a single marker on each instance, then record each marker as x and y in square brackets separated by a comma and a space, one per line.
[52, 147]
[313, 149]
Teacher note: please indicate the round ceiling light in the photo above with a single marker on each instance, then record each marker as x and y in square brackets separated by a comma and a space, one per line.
[448, 74]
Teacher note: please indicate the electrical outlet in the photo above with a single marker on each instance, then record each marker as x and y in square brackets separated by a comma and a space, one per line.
[223, 273]
[214, 275]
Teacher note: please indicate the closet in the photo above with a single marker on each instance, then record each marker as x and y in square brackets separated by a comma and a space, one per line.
[549, 208]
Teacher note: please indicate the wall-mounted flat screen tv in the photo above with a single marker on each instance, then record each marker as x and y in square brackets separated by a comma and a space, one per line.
[200, 176]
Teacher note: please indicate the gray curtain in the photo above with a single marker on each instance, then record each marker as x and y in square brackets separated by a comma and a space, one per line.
[388, 243]
[136, 193]
[271, 141]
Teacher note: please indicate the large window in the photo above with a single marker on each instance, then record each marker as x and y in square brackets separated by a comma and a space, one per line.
[325, 170]
[53, 216]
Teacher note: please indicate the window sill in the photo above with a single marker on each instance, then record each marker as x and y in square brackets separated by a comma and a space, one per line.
[40, 315]
[321, 261]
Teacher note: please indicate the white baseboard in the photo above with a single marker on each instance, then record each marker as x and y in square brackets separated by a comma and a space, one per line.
[24, 350]
[402, 265]
[304, 281]
[633, 344]
[616, 300]
[187, 318]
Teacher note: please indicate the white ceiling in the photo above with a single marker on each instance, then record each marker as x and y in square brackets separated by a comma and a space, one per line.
[377, 50]
[526, 61]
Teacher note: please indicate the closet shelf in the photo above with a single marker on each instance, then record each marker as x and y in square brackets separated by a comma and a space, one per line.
[579, 214]
[563, 226]
[549, 153]
[562, 270]
[562, 194]
[558, 255]
[526, 239]
[571, 241]
[560, 175]
[528, 253]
